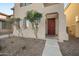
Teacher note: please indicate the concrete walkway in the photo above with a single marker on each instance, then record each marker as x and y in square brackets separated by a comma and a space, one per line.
[6, 35]
[51, 48]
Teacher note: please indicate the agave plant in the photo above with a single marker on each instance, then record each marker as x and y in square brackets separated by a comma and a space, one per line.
[34, 18]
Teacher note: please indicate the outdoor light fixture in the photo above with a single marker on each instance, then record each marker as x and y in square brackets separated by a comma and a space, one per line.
[77, 18]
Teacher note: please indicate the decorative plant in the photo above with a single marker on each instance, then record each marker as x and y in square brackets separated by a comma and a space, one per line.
[34, 17]
[24, 24]
[16, 22]
[10, 22]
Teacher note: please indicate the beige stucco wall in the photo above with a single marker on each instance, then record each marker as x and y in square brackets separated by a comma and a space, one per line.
[62, 35]
[21, 12]
[77, 30]
[71, 12]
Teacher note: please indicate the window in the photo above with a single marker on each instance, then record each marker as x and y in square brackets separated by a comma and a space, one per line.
[24, 4]
[21, 4]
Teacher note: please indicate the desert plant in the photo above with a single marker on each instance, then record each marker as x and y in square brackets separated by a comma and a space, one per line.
[16, 22]
[24, 24]
[10, 22]
[34, 17]
[24, 47]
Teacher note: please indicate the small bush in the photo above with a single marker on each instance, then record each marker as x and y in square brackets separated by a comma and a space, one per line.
[24, 47]
[12, 41]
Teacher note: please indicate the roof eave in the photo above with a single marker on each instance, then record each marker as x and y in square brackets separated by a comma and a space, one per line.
[67, 6]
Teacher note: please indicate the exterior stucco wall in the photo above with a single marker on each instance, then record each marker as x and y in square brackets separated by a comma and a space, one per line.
[71, 12]
[77, 30]
[3, 17]
[21, 12]
[59, 8]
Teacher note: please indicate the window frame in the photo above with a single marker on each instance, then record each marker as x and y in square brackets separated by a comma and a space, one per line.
[25, 4]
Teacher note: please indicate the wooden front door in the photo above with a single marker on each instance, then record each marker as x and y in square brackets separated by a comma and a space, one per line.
[51, 26]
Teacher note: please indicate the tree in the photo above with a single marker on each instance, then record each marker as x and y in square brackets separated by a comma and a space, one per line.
[24, 24]
[34, 18]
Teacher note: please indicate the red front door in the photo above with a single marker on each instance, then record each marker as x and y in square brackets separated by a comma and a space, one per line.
[51, 26]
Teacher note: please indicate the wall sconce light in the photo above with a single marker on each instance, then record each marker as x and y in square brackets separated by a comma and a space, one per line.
[77, 18]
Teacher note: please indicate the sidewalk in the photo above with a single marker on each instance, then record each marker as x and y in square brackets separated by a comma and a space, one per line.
[51, 48]
[6, 35]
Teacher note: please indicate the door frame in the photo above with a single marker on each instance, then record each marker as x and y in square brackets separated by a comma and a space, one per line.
[54, 26]
[56, 21]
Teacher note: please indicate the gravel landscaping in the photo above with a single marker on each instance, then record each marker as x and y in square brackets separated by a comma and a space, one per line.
[71, 47]
[5, 31]
[18, 46]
